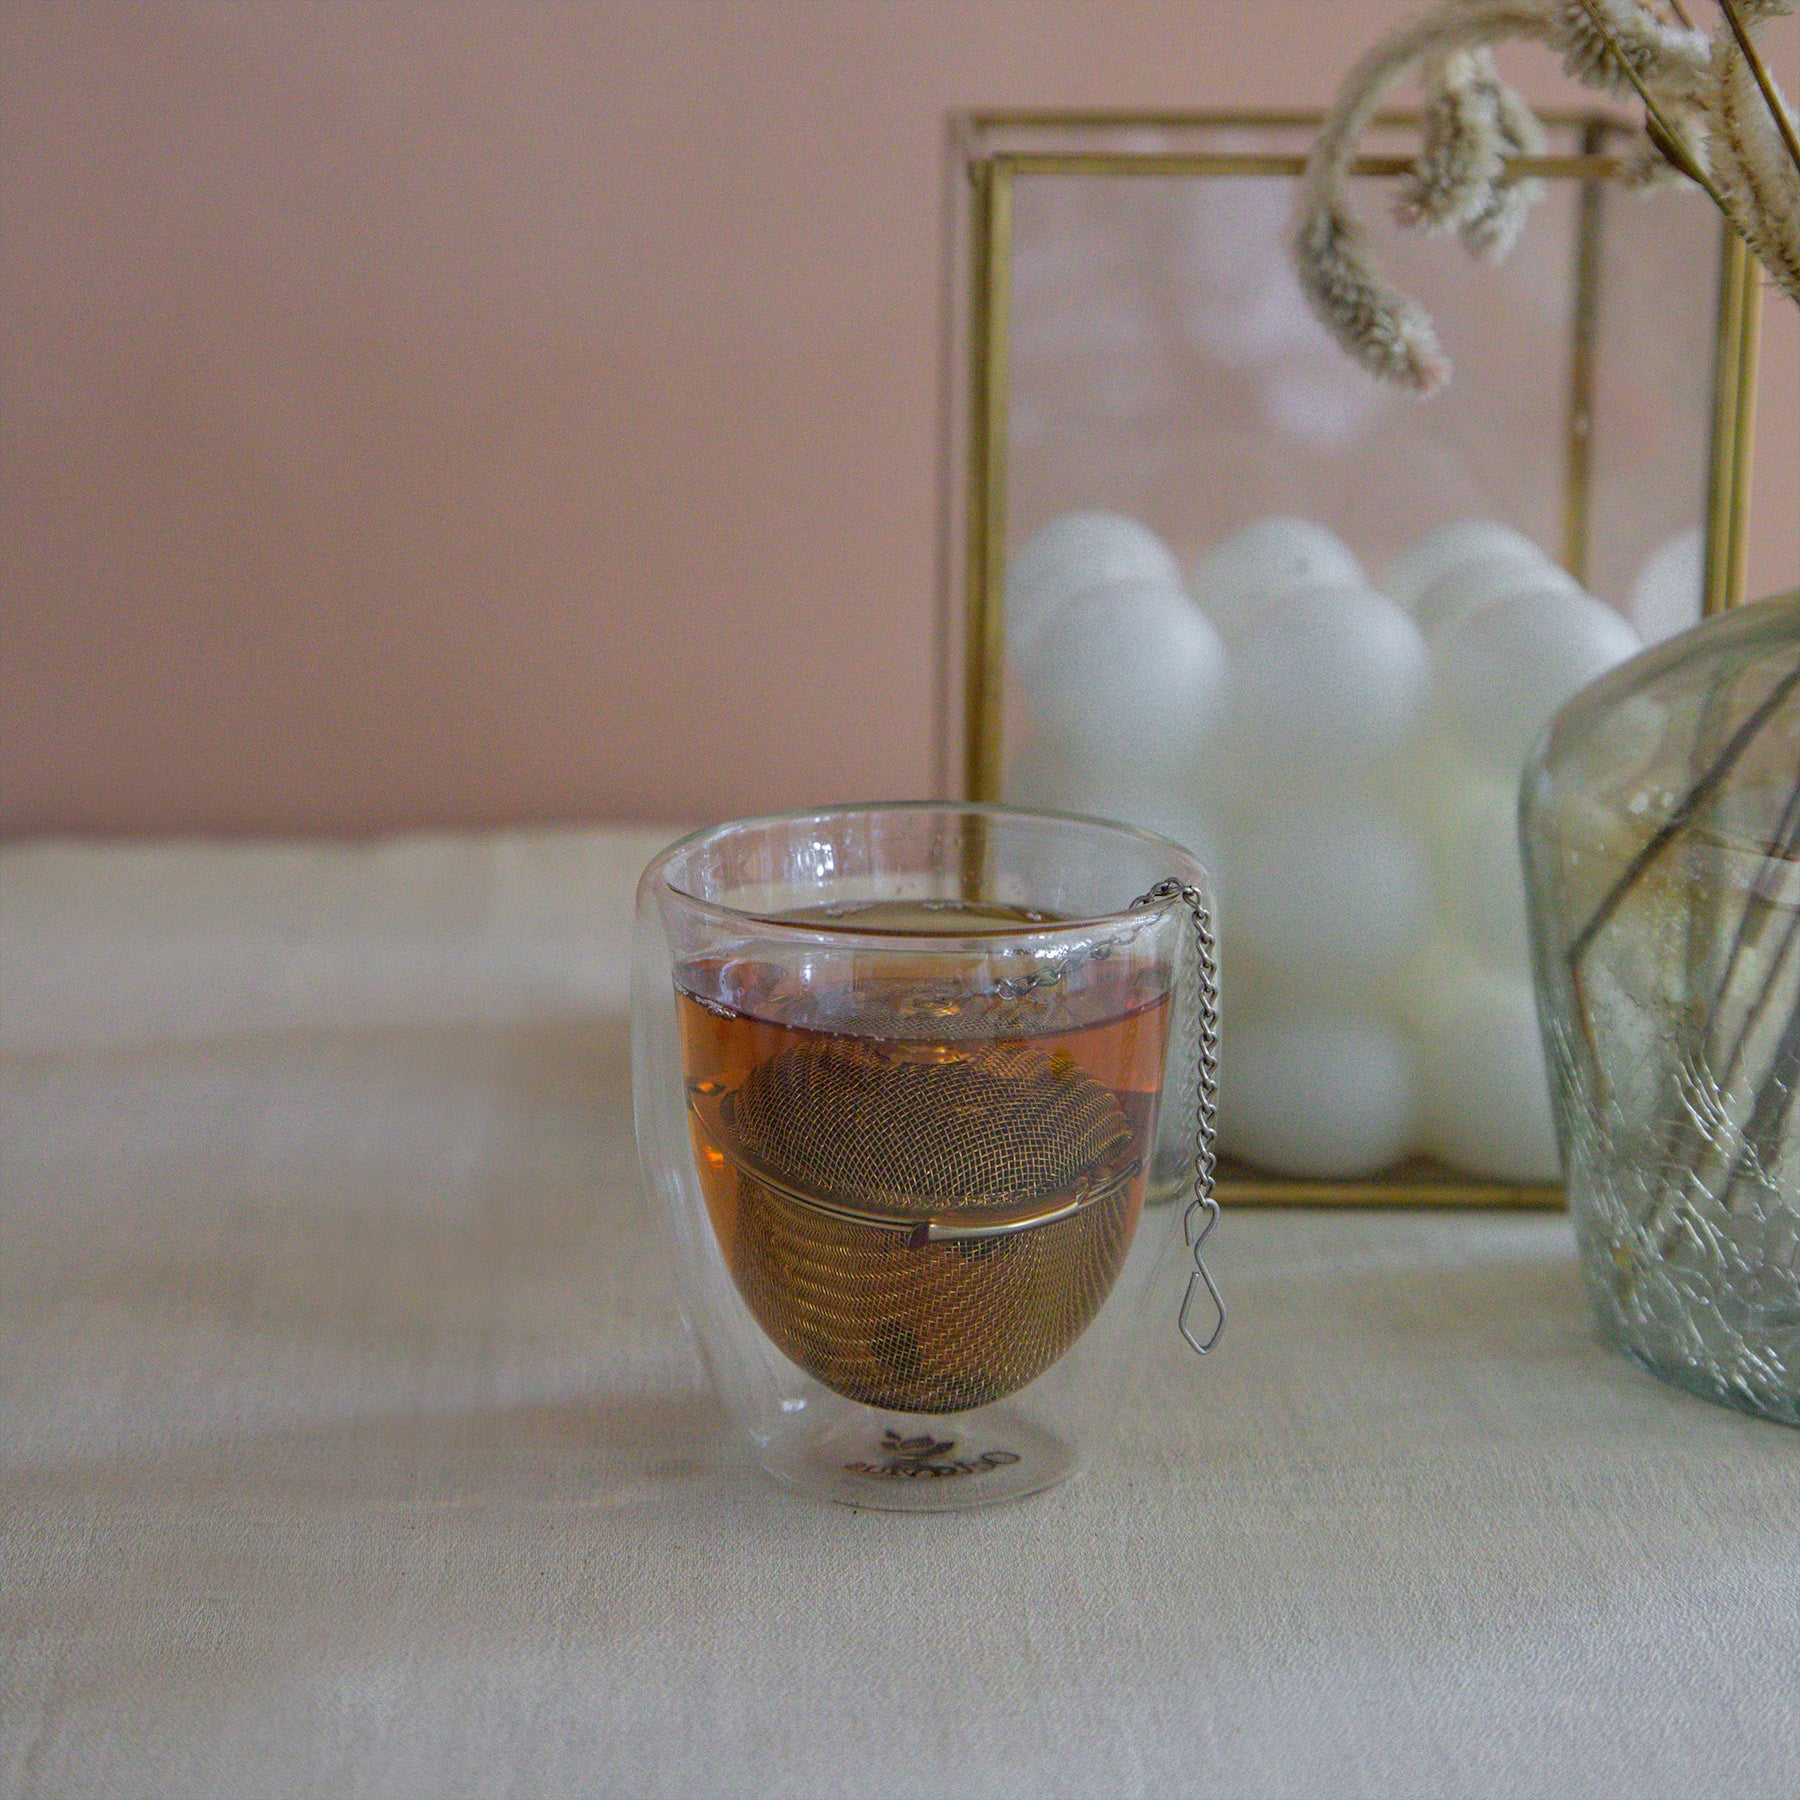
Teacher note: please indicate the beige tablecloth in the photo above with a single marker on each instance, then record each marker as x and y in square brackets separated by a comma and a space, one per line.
[350, 1442]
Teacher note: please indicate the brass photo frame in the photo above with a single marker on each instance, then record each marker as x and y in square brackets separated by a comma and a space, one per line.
[993, 151]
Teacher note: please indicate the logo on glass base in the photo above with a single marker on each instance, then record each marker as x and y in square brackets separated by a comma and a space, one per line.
[923, 1458]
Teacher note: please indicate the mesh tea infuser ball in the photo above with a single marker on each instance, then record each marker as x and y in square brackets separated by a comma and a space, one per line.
[924, 1228]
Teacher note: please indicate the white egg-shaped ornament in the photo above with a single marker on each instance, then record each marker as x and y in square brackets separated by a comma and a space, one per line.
[1669, 590]
[1484, 1092]
[1330, 903]
[1073, 555]
[1052, 776]
[1129, 674]
[1266, 558]
[1502, 674]
[1478, 875]
[1413, 782]
[1183, 817]
[1324, 686]
[1331, 1097]
[1035, 776]
[1467, 589]
[1448, 547]
[1247, 991]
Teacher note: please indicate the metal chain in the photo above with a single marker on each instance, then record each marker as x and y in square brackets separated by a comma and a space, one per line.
[1202, 1212]
[1049, 975]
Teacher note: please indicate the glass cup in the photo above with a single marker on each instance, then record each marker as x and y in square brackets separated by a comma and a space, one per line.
[921, 1090]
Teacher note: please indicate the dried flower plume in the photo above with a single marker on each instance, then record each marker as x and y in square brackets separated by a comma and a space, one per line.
[1473, 123]
[1713, 115]
[1608, 43]
[1755, 163]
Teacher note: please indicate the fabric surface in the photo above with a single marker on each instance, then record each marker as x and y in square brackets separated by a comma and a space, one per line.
[350, 1443]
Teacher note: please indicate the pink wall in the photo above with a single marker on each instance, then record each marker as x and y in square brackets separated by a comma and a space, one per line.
[471, 413]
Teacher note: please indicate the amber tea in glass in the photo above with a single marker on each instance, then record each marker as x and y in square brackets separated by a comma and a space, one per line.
[923, 1190]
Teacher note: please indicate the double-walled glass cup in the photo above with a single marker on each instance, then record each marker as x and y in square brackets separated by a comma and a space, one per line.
[917, 1088]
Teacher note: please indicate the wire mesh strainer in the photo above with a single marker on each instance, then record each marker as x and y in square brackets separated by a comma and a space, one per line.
[924, 1228]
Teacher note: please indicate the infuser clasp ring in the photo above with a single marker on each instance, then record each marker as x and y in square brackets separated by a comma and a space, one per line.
[710, 1104]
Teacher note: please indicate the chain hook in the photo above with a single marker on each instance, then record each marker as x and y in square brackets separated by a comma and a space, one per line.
[1202, 1212]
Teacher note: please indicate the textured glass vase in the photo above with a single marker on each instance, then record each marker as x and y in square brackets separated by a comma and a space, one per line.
[1660, 821]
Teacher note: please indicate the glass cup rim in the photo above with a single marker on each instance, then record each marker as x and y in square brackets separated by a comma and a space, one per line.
[658, 871]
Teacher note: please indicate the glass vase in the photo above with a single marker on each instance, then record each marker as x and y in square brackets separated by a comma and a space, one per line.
[1660, 822]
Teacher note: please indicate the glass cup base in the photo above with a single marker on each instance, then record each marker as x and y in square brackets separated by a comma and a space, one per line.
[863, 1456]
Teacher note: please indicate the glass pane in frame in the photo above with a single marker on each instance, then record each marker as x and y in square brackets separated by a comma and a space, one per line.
[1138, 343]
